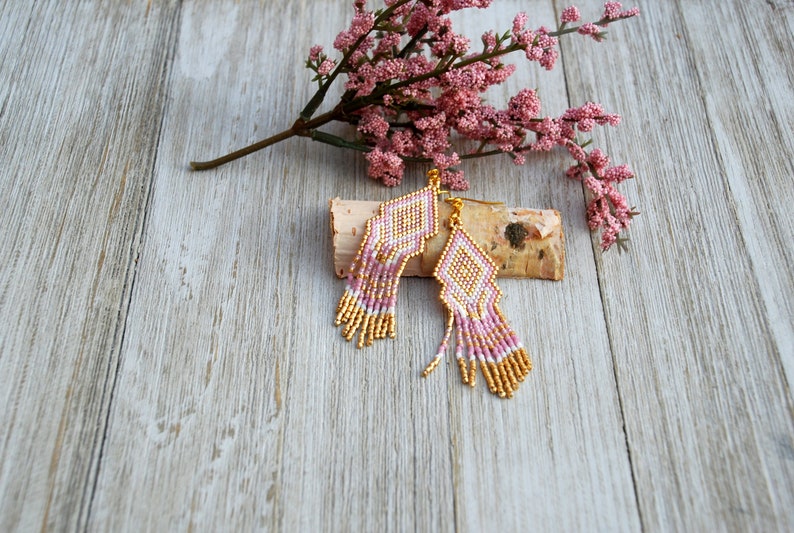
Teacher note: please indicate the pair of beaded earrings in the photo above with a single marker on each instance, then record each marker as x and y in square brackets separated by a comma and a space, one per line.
[468, 289]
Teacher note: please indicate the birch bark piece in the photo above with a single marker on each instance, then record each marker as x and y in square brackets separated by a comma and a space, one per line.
[524, 243]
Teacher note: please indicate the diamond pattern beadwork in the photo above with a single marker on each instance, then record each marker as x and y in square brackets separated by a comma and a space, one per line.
[470, 294]
[397, 233]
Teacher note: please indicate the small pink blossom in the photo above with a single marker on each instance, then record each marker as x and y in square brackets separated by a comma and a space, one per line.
[386, 166]
[403, 143]
[586, 125]
[326, 67]
[360, 26]
[550, 134]
[344, 40]
[570, 14]
[387, 42]
[577, 152]
[595, 186]
[359, 55]
[362, 23]
[389, 69]
[454, 179]
[458, 45]
[633, 12]
[435, 133]
[598, 159]
[618, 174]
[430, 123]
[608, 118]
[474, 77]
[422, 18]
[589, 110]
[497, 74]
[524, 106]
[373, 124]
[577, 172]
[519, 23]
[591, 30]
[489, 40]
[612, 10]
[549, 58]
[363, 81]
[538, 46]
[444, 161]
[314, 53]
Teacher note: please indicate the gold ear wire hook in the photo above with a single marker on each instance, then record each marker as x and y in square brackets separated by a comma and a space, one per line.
[483, 202]
[434, 177]
[457, 206]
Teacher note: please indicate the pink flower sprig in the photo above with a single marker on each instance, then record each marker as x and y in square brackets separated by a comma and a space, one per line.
[607, 208]
[413, 86]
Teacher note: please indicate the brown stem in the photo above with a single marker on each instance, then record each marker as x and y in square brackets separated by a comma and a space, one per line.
[299, 128]
[206, 165]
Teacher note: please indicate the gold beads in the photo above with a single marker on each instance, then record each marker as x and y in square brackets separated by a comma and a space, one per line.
[432, 366]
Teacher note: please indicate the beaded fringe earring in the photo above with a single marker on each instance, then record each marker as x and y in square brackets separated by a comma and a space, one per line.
[397, 233]
[470, 294]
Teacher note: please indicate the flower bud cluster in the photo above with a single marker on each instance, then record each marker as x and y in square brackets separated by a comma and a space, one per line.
[414, 93]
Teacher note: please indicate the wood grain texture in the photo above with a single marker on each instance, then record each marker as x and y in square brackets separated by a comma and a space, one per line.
[700, 315]
[251, 409]
[168, 359]
[79, 123]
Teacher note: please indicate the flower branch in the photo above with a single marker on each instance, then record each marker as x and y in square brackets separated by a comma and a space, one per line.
[412, 85]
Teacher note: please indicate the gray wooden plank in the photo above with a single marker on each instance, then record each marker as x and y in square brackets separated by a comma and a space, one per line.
[239, 406]
[81, 99]
[750, 113]
[235, 264]
[699, 312]
[554, 457]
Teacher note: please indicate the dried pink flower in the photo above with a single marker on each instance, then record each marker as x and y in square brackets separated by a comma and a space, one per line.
[314, 52]
[570, 14]
[385, 166]
[612, 10]
[414, 85]
[326, 67]
[592, 30]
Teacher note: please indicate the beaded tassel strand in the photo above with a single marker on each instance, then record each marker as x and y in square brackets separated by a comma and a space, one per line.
[396, 234]
[470, 294]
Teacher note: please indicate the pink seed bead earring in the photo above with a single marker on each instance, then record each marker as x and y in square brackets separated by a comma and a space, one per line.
[468, 289]
[396, 234]
[470, 294]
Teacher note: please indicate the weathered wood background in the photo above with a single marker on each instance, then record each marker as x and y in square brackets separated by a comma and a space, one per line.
[167, 355]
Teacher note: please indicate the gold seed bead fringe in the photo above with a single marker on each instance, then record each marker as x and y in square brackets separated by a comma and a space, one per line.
[488, 377]
[505, 380]
[432, 366]
[356, 319]
[464, 371]
[472, 373]
[502, 377]
[500, 390]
